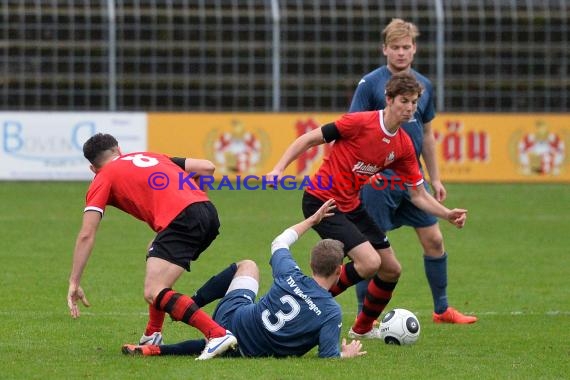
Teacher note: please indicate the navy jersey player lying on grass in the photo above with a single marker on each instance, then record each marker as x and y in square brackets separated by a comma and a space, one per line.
[297, 314]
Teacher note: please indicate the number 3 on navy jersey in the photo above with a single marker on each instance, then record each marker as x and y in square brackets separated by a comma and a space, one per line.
[280, 315]
[141, 161]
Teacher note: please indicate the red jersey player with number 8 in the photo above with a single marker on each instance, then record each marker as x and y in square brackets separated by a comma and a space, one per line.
[186, 222]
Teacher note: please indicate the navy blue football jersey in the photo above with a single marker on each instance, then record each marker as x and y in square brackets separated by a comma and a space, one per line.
[295, 315]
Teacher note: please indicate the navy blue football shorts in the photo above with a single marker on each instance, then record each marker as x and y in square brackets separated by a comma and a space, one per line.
[392, 209]
[230, 303]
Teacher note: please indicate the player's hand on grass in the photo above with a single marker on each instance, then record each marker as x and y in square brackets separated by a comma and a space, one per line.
[457, 217]
[74, 294]
[325, 211]
[352, 349]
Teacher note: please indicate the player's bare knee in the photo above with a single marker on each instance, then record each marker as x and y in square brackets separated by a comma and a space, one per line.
[432, 241]
[395, 270]
[368, 268]
[150, 294]
[391, 269]
[390, 273]
[247, 268]
[149, 298]
[433, 246]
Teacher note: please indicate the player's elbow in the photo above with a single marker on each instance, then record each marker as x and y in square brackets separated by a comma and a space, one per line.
[278, 244]
[208, 168]
[417, 194]
[86, 236]
[201, 167]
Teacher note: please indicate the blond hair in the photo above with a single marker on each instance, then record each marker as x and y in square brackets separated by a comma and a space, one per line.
[397, 29]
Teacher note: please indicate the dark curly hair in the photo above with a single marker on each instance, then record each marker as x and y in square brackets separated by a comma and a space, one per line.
[403, 83]
[94, 149]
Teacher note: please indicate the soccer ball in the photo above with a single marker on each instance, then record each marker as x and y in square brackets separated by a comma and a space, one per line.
[400, 326]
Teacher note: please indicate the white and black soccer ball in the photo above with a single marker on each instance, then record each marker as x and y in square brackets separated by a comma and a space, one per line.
[400, 326]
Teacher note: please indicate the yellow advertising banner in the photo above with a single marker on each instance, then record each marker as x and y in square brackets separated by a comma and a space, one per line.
[471, 147]
[238, 143]
[503, 147]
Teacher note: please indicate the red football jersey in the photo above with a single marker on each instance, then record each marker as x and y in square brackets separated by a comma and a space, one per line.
[365, 147]
[149, 186]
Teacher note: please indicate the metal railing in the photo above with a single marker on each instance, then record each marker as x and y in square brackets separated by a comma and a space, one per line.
[275, 55]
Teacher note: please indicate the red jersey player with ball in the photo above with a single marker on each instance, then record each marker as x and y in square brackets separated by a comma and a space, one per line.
[364, 144]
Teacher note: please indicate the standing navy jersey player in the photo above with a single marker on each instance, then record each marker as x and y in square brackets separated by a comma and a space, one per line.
[297, 314]
[391, 206]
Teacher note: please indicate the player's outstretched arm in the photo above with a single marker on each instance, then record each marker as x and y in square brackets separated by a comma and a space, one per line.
[83, 248]
[424, 201]
[352, 349]
[199, 166]
[291, 234]
[326, 210]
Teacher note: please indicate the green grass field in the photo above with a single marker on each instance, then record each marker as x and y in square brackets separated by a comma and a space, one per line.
[510, 266]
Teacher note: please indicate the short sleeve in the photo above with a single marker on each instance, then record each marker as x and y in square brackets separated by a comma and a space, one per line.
[350, 124]
[282, 262]
[361, 98]
[429, 112]
[329, 336]
[98, 194]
